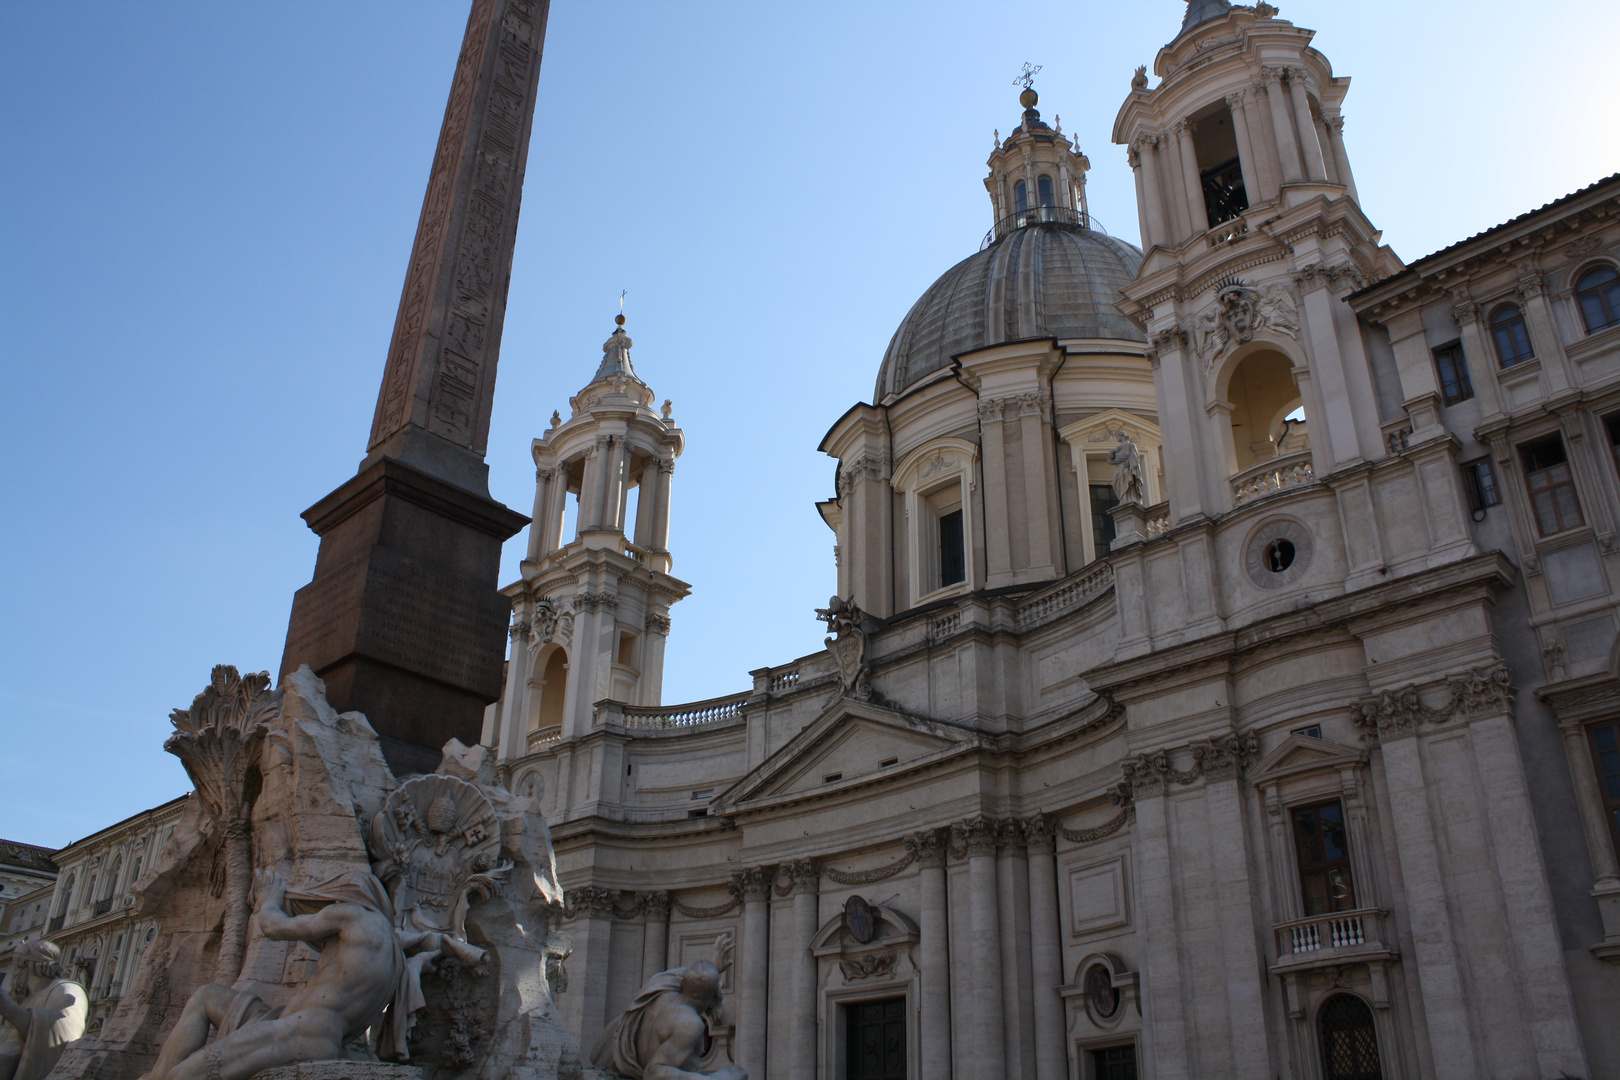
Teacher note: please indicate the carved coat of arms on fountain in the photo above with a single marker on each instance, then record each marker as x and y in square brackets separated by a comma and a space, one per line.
[437, 846]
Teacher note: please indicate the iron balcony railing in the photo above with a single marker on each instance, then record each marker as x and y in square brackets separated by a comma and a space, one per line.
[1036, 215]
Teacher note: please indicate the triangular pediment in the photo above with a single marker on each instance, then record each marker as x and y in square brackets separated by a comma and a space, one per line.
[1302, 754]
[851, 742]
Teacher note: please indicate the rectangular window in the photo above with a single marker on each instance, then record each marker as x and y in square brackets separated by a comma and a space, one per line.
[1552, 488]
[1605, 743]
[1324, 858]
[1481, 483]
[1613, 426]
[1452, 367]
[1103, 500]
[952, 549]
[1114, 1063]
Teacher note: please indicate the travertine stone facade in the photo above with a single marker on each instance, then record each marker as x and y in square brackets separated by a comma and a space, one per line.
[89, 910]
[1296, 769]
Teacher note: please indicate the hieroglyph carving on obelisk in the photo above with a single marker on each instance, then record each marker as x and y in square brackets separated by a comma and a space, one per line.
[441, 362]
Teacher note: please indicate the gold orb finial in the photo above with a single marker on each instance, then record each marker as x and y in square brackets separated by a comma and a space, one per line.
[1028, 99]
[619, 319]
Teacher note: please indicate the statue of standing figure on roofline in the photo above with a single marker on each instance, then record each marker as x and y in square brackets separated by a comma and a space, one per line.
[1129, 486]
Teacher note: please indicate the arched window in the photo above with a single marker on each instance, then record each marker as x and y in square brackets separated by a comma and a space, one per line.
[1598, 294]
[1043, 187]
[1512, 339]
[1349, 1040]
[1021, 196]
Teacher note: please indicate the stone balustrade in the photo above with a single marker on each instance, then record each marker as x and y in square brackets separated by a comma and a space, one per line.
[672, 716]
[1290, 470]
[1322, 937]
[1076, 592]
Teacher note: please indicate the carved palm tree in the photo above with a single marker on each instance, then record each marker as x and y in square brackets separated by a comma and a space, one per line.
[219, 740]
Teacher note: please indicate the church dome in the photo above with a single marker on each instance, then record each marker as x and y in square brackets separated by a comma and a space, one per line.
[1043, 280]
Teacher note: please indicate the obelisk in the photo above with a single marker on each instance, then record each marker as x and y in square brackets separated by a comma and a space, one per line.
[404, 619]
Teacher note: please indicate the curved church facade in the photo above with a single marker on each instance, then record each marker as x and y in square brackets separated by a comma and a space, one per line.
[1300, 761]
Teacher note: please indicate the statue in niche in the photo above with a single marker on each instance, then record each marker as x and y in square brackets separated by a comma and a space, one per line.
[350, 920]
[664, 1033]
[438, 844]
[1129, 483]
[50, 1015]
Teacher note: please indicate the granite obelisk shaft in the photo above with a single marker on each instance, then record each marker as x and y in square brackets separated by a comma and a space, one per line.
[404, 619]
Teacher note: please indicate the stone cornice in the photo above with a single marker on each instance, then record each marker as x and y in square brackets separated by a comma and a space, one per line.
[1135, 678]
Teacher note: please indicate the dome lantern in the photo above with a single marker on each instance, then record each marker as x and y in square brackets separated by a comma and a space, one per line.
[1036, 174]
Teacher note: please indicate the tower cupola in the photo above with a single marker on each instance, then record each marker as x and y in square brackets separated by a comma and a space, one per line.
[591, 612]
[1036, 174]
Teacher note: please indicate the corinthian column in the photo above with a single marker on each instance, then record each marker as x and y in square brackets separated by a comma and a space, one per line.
[1246, 161]
[1287, 146]
[1012, 900]
[752, 1016]
[933, 958]
[1156, 225]
[1046, 950]
[655, 946]
[988, 1042]
[1197, 212]
[1315, 166]
[805, 875]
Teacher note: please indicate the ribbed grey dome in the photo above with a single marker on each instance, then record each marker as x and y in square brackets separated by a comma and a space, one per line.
[1042, 281]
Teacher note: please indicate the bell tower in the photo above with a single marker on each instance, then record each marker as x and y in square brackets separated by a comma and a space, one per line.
[1252, 236]
[591, 612]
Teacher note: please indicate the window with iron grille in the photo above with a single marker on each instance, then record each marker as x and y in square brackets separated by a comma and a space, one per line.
[1452, 368]
[1552, 487]
[1512, 339]
[1349, 1039]
[1480, 480]
[875, 1040]
[1114, 1063]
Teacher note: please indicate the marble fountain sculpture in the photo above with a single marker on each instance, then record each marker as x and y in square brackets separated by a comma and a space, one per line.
[322, 920]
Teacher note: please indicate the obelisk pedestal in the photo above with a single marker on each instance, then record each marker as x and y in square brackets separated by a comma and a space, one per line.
[404, 620]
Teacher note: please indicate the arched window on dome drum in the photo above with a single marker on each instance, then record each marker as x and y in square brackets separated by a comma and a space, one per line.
[1512, 339]
[1598, 294]
[1043, 187]
[1349, 1039]
[1021, 196]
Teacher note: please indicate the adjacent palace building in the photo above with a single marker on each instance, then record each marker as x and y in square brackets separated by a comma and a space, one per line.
[1305, 765]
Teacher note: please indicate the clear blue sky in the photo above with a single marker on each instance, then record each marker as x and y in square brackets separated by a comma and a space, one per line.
[208, 207]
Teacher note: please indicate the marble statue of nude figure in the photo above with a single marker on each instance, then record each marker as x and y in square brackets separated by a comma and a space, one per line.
[665, 1031]
[350, 920]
